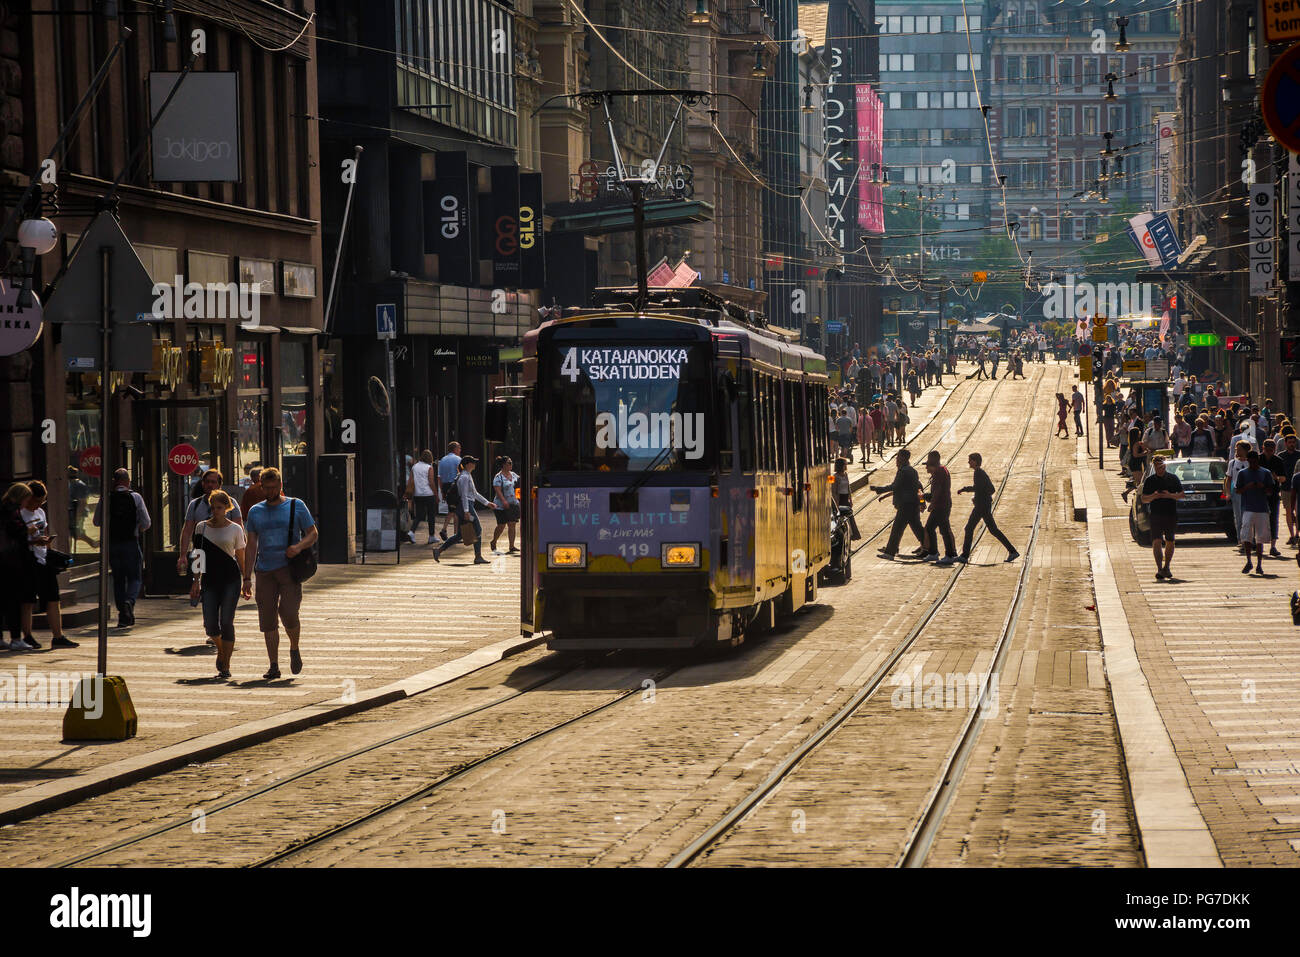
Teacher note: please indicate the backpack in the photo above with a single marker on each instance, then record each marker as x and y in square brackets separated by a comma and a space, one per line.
[122, 518]
[452, 494]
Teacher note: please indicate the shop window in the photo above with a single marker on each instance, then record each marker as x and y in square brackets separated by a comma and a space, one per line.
[204, 267]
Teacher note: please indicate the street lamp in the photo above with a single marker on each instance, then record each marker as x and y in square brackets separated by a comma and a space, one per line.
[760, 70]
[1110, 87]
[807, 96]
[701, 15]
[1122, 45]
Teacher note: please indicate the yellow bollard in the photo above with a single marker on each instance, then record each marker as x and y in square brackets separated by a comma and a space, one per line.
[100, 710]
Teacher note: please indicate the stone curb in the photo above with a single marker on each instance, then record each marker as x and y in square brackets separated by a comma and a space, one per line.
[1170, 825]
[53, 795]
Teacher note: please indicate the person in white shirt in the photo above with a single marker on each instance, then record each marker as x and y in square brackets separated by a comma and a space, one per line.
[47, 576]
[421, 494]
[466, 516]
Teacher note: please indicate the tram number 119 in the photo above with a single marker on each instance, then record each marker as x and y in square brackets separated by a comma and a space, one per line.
[634, 549]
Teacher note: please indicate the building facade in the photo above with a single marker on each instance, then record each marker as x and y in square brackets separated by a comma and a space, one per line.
[239, 392]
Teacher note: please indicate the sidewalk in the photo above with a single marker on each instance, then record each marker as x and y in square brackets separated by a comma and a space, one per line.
[1222, 661]
[366, 628]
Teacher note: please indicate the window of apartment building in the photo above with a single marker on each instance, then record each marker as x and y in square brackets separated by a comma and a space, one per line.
[1012, 67]
[1065, 121]
[1036, 225]
[1033, 121]
[936, 137]
[884, 63]
[963, 101]
[923, 101]
[977, 174]
[1090, 119]
[1146, 69]
[1115, 65]
[1066, 173]
[972, 61]
[963, 210]
[1014, 174]
[1091, 70]
[949, 100]
[1015, 122]
[936, 24]
[909, 174]
[1089, 172]
[1115, 120]
[1065, 70]
[1012, 20]
[893, 24]
[949, 24]
[909, 24]
[1090, 224]
[895, 101]
[1077, 228]
[1033, 69]
[975, 23]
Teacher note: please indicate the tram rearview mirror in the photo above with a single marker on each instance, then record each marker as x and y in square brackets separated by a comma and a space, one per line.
[495, 421]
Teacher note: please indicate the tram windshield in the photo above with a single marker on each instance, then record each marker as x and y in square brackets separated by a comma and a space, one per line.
[626, 407]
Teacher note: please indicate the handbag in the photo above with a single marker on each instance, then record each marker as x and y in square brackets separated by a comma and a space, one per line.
[57, 559]
[467, 529]
[303, 565]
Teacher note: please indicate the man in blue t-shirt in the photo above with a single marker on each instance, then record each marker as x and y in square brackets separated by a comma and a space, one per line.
[448, 469]
[1253, 484]
[273, 542]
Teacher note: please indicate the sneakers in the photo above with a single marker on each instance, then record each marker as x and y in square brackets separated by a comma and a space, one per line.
[295, 661]
[887, 556]
[920, 552]
[273, 673]
[410, 537]
[443, 534]
[32, 643]
[947, 560]
[963, 559]
[63, 641]
[1012, 557]
[1274, 553]
[930, 557]
[1259, 570]
[481, 561]
[437, 557]
[1162, 573]
[1246, 570]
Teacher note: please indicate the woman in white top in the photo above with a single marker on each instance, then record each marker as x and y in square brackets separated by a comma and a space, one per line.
[424, 500]
[504, 504]
[219, 575]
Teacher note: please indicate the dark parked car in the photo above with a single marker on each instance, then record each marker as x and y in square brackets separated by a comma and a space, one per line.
[1205, 509]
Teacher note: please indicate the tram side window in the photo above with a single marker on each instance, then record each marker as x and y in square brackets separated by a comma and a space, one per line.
[769, 425]
[745, 421]
[760, 422]
[818, 423]
[788, 446]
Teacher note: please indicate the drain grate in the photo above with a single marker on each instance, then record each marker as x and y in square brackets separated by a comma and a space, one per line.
[1069, 714]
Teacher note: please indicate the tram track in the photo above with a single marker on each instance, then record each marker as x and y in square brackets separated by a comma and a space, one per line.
[428, 788]
[922, 834]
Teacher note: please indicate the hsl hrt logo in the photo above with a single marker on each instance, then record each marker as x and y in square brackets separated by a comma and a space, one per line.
[1078, 300]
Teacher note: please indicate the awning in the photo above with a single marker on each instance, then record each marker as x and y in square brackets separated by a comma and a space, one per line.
[302, 330]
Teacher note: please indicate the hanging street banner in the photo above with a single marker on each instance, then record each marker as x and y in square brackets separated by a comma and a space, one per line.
[532, 251]
[1165, 237]
[1140, 224]
[1293, 219]
[1262, 236]
[871, 155]
[502, 230]
[448, 226]
[1164, 160]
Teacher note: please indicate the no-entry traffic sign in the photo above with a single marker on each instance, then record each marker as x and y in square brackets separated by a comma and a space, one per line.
[1279, 100]
[183, 459]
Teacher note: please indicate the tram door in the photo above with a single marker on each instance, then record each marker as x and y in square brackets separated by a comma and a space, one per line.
[160, 427]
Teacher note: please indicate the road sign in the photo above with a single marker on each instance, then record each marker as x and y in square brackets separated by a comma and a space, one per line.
[91, 462]
[834, 327]
[1098, 333]
[1282, 20]
[1279, 100]
[385, 320]
[979, 276]
[1085, 368]
[183, 459]
[1202, 339]
[953, 323]
[1135, 367]
[1099, 321]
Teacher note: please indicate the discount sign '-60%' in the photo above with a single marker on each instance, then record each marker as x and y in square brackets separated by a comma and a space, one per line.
[183, 459]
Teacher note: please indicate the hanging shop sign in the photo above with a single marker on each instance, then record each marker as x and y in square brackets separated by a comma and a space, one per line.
[1281, 20]
[197, 136]
[1262, 233]
[448, 225]
[1164, 160]
[839, 162]
[20, 326]
[1293, 219]
[871, 136]
[183, 459]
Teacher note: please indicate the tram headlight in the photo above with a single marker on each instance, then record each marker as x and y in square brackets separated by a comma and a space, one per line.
[680, 555]
[566, 556]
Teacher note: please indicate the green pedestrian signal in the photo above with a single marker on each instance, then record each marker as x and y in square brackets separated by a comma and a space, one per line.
[1203, 339]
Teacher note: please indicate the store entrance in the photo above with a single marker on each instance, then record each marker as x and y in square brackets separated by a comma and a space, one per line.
[159, 428]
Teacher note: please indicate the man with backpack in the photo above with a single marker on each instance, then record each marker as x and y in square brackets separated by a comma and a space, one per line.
[127, 519]
[448, 469]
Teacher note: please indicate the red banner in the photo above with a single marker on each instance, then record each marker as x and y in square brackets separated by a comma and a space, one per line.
[871, 159]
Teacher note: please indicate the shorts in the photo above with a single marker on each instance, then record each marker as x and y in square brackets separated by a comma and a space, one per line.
[45, 584]
[278, 596]
[1163, 526]
[1255, 528]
